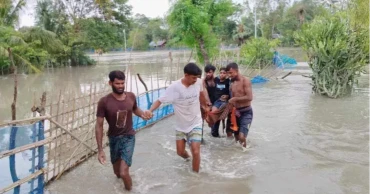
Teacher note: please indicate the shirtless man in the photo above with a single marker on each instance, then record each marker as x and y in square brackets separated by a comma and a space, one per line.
[241, 98]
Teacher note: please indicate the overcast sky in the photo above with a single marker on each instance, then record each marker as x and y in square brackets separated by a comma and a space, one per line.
[150, 8]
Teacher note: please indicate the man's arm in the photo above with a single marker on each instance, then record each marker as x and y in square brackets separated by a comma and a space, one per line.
[136, 110]
[99, 132]
[203, 100]
[248, 89]
[169, 96]
[205, 92]
[155, 105]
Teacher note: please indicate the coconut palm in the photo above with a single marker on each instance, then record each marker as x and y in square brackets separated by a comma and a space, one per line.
[241, 33]
[8, 13]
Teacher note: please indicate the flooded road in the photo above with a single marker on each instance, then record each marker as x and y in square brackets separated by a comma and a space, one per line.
[299, 143]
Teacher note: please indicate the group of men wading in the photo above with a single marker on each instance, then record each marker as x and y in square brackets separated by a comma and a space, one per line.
[213, 98]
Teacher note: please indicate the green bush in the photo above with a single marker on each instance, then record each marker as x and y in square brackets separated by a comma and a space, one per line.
[336, 53]
[258, 52]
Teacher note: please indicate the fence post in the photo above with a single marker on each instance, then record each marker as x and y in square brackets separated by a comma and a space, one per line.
[13, 172]
[40, 165]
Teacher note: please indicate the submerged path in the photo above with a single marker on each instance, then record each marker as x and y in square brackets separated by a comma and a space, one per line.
[299, 143]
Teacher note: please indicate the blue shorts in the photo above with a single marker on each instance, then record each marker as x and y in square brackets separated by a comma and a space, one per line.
[122, 147]
[245, 120]
[218, 103]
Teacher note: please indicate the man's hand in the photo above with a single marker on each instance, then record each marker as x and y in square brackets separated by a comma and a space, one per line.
[232, 100]
[101, 157]
[147, 115]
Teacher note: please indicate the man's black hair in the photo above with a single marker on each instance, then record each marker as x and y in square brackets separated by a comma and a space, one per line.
[192, 69]
[223, 68]
[232, 66]
[117, 74]
[209, 68]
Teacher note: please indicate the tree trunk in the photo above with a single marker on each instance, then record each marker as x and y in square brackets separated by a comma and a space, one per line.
[203, 51]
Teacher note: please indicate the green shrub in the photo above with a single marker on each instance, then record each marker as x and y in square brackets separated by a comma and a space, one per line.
[336, 53]
[258, 52]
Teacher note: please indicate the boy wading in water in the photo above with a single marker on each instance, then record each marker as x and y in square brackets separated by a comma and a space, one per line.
[217, 92]
[186, 95]
[241, 98]
[117, 108]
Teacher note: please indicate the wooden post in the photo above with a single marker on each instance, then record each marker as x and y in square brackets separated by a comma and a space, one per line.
[56, 134]
[40, 149]
[171, 63]
[13, 132]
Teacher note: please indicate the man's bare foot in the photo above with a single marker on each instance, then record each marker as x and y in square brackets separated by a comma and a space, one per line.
[187, 159]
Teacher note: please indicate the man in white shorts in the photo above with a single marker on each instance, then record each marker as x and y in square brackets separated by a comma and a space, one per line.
[187, 95]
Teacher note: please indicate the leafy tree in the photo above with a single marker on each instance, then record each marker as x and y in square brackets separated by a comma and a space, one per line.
[100, 34]
[193, 22]
[138, 40]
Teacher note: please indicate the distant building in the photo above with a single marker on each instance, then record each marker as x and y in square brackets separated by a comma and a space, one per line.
[275, 36]
[158, 44]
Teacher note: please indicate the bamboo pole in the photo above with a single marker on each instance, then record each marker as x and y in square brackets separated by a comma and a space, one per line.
[31, 120]
[49, 148]
[60, 136]
[70, 158]
[151, 81]
[81, 97]
[76, 129]
[22, 181]
[171, 63]
[90, 118]
[25, 147]
[73, 116]
[130, 80]
[191, 54]
[56, 133]
[157, 72]
[71, 134]
[13, 106]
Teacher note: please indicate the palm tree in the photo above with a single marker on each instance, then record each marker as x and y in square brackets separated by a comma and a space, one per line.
[8, 13]
[241, 33]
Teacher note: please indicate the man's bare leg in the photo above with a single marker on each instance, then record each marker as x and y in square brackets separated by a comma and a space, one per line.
[243, 139]
[230, 135]
[195, 151]
[125, 175]
[116, 167]
[180, 147]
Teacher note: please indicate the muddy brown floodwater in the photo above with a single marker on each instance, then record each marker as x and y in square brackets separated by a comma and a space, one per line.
[299, 143]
